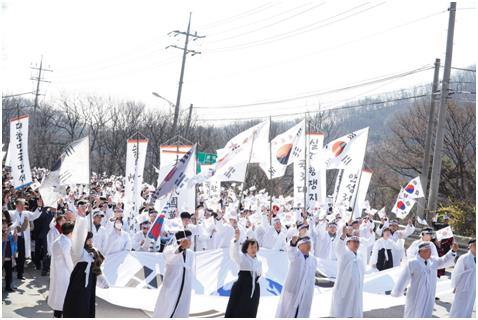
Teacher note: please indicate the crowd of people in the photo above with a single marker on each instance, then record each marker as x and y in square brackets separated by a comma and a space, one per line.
[70, 241]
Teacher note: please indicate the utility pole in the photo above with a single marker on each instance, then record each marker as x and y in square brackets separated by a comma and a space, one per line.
[437, 154]
[428, 144]
[183, 65]
[39, 79]
[189, 118]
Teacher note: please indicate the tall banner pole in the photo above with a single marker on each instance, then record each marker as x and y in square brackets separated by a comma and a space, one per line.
[271, 184]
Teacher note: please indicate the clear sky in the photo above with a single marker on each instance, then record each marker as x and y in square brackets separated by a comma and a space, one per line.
[253, 51]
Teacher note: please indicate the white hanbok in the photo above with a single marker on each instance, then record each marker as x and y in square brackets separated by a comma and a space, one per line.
[60, 271]
[174, 299]
[463, 281]
[116, 242]
[298, 290]
[422, 279]
[347, 294]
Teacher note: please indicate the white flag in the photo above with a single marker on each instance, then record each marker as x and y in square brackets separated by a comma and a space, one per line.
[284, 149]
[347, 151]
[413, 190]
[75, 163]
[135, 160]
[365, 178]
[382, 213]
[72, 167]
[186, 196]
[402, 207]
[250, 145]
[239, 147]
[444, 233]
[176, 178]
[20, 163]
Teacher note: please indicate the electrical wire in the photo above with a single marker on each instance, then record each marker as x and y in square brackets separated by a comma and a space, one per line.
[318, 111]
[298, 31]
[253, 11]
[318, 93]
[309, 9]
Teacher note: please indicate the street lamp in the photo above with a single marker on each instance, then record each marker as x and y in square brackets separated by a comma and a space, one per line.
[161, 97]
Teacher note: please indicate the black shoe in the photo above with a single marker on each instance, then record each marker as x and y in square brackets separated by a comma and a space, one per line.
[38, 268]
[10, 289]
[21, 278]
[44, 273]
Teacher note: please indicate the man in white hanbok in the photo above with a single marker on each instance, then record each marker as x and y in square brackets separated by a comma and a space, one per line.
[60, 269]
[426, 235]
[324, 235]
[174, 299]
[298, 290]
[421, 274]
[275, 235]
[347, 294]
[463, 281]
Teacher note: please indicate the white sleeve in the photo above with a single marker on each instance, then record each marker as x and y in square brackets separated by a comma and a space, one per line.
[234, 252]
[374, 257]
[409, 229]
[339, 247]
[66, 250]
[446, 261]
[34, 215]
[80, 231]
[402, 281]
[458, 272]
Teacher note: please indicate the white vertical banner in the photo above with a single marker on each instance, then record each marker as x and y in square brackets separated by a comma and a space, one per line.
[299, 179]
[348, 188]
[186, 197]
[135, 160]
[316, 184]
[20, 163]
[169, 155]
[365, 178]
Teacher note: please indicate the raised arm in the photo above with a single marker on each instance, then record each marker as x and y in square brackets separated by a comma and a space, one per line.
[234, 249]
[402, 282]
[80, 231]
[448, 259]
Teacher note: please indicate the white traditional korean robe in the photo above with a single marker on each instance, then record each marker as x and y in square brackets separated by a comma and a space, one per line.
[51, 236]
[174, 299]
[422, 279]
[463, 281]
[298, 289]
[323, 242]
[60, 270]
[18, 220]
[386, 244]
[347, 294]
[117, 242]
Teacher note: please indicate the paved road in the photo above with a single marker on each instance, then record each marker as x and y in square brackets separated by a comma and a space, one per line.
[29, 301]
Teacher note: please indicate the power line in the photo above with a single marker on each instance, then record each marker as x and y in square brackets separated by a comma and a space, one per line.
[271, 24]
[239, 15]
[318, 93]
[462, 69]
[282, 62]
[300, 30]
[321, 110]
